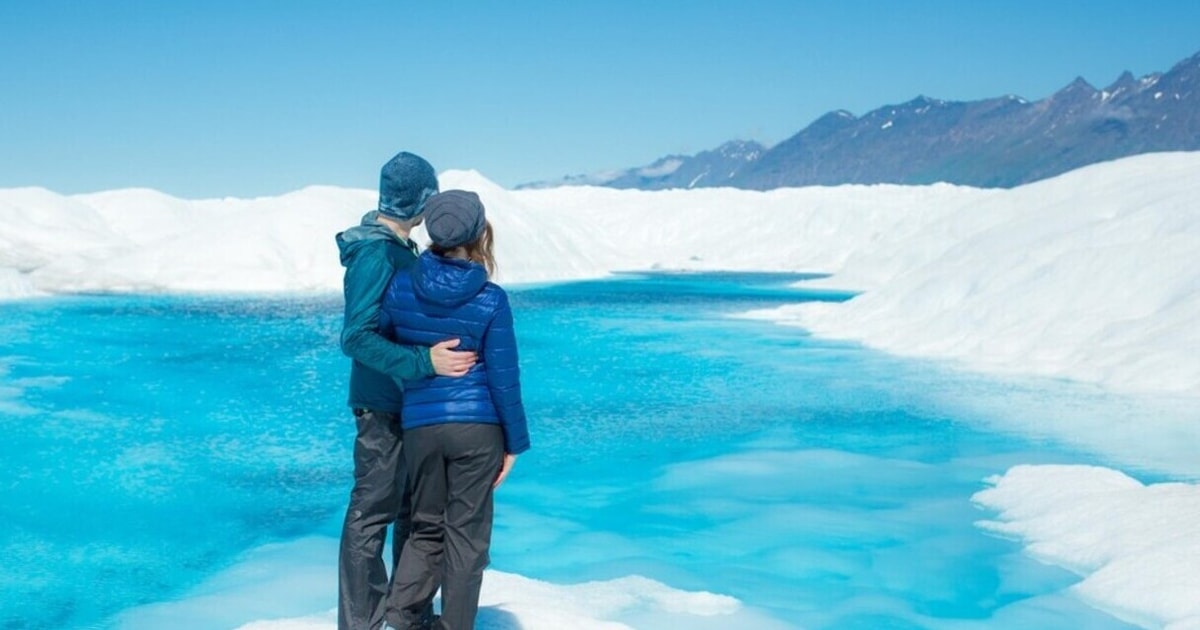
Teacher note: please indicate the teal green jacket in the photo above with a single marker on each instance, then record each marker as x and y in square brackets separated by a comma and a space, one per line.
[371, 253]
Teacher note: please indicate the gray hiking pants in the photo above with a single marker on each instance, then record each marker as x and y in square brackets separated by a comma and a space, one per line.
[451, 467]
[379, 499]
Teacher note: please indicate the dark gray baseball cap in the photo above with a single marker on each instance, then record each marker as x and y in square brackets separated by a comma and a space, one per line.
[453, 218]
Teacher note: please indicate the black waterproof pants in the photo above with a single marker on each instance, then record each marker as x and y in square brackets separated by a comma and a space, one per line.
[451, 467]
[379, 499]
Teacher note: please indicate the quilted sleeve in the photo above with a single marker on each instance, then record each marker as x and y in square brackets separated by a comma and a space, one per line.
[504, 377]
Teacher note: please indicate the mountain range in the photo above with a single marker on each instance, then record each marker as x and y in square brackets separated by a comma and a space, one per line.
[993, 143]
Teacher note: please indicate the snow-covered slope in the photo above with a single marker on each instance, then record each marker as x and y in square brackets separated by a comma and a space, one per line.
[145, 241]
[1090, 275]
[1136, 546]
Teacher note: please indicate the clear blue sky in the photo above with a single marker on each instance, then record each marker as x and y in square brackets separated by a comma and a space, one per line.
[256, 97]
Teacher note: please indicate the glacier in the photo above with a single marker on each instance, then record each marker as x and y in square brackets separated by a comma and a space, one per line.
[1089, 276]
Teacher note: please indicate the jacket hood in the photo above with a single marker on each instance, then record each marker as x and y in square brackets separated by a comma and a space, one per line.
[370, 230]
[447, 281]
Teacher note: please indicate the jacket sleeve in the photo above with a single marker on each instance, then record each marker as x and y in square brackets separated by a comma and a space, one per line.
[367, 277]
[504, 378]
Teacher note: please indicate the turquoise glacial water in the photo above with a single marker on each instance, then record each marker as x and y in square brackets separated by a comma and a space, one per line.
[150, 441]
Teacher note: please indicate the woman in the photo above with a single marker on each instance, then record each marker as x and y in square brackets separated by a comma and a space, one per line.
[461, 435]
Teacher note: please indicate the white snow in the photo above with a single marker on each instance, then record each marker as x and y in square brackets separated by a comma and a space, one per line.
[1090, 276]
[15, 285]
[1137, 546]
[292, 586]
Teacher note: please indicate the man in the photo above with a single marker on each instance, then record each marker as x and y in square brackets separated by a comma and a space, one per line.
[371, 252]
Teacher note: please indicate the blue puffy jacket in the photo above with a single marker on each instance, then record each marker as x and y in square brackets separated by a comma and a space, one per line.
[443, 298]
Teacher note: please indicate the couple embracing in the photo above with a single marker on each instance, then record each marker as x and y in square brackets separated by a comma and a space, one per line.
[435, 390]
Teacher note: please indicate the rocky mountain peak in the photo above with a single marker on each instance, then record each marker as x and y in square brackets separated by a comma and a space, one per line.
[1076, 89]
[997, 142]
